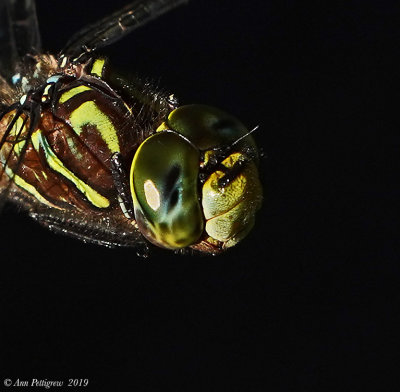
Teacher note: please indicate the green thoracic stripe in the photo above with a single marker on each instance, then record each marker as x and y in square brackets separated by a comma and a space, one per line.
[55, 163]
[18, 147]
[97, 67]
[89, 114]
[72, 92]
[27, 187]
[19, 127]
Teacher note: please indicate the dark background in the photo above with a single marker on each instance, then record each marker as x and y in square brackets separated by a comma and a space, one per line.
[309, 300]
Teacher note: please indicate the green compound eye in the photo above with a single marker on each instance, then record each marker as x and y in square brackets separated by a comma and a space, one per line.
[206, 127]
[164, 186]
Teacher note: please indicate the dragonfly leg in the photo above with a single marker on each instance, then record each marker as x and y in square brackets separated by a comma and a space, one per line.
[124, 196]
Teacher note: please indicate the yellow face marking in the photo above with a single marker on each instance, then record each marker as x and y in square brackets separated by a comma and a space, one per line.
[230, 210]
[224, 226]
[97, 68]
[89, 114]
[217, 200]
[54, 162]
[72, 92]
[207, 155]
[152, 195]
[28, 187]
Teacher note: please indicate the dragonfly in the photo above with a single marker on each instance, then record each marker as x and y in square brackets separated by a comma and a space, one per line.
[88, 154]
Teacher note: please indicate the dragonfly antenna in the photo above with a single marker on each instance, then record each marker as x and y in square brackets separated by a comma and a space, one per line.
[245, 135]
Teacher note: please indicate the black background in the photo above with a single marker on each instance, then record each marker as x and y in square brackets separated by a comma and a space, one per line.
[308, 301]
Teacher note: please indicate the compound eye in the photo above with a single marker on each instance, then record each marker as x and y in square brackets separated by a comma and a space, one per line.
[206, 126]
[164, 186]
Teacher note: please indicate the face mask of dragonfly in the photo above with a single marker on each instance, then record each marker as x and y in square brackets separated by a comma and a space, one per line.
[109, 162]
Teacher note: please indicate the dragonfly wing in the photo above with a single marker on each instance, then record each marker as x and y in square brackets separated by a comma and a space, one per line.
[117, 25]
[19, 33]
[106, 230]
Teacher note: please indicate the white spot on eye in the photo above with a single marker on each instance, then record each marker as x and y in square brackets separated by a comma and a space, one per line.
[152, 195]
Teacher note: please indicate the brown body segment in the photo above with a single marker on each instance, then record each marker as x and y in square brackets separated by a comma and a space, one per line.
[85, 154]
[34, 169]
[76, 156]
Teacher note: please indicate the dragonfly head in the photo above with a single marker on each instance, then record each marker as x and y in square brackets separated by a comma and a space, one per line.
[195, 181]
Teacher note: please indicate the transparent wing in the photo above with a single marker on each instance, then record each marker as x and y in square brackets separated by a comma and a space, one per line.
[19, 33]
[117, 25]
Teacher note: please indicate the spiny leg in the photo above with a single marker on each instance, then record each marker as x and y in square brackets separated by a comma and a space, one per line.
[116, 26]
[119, 175]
